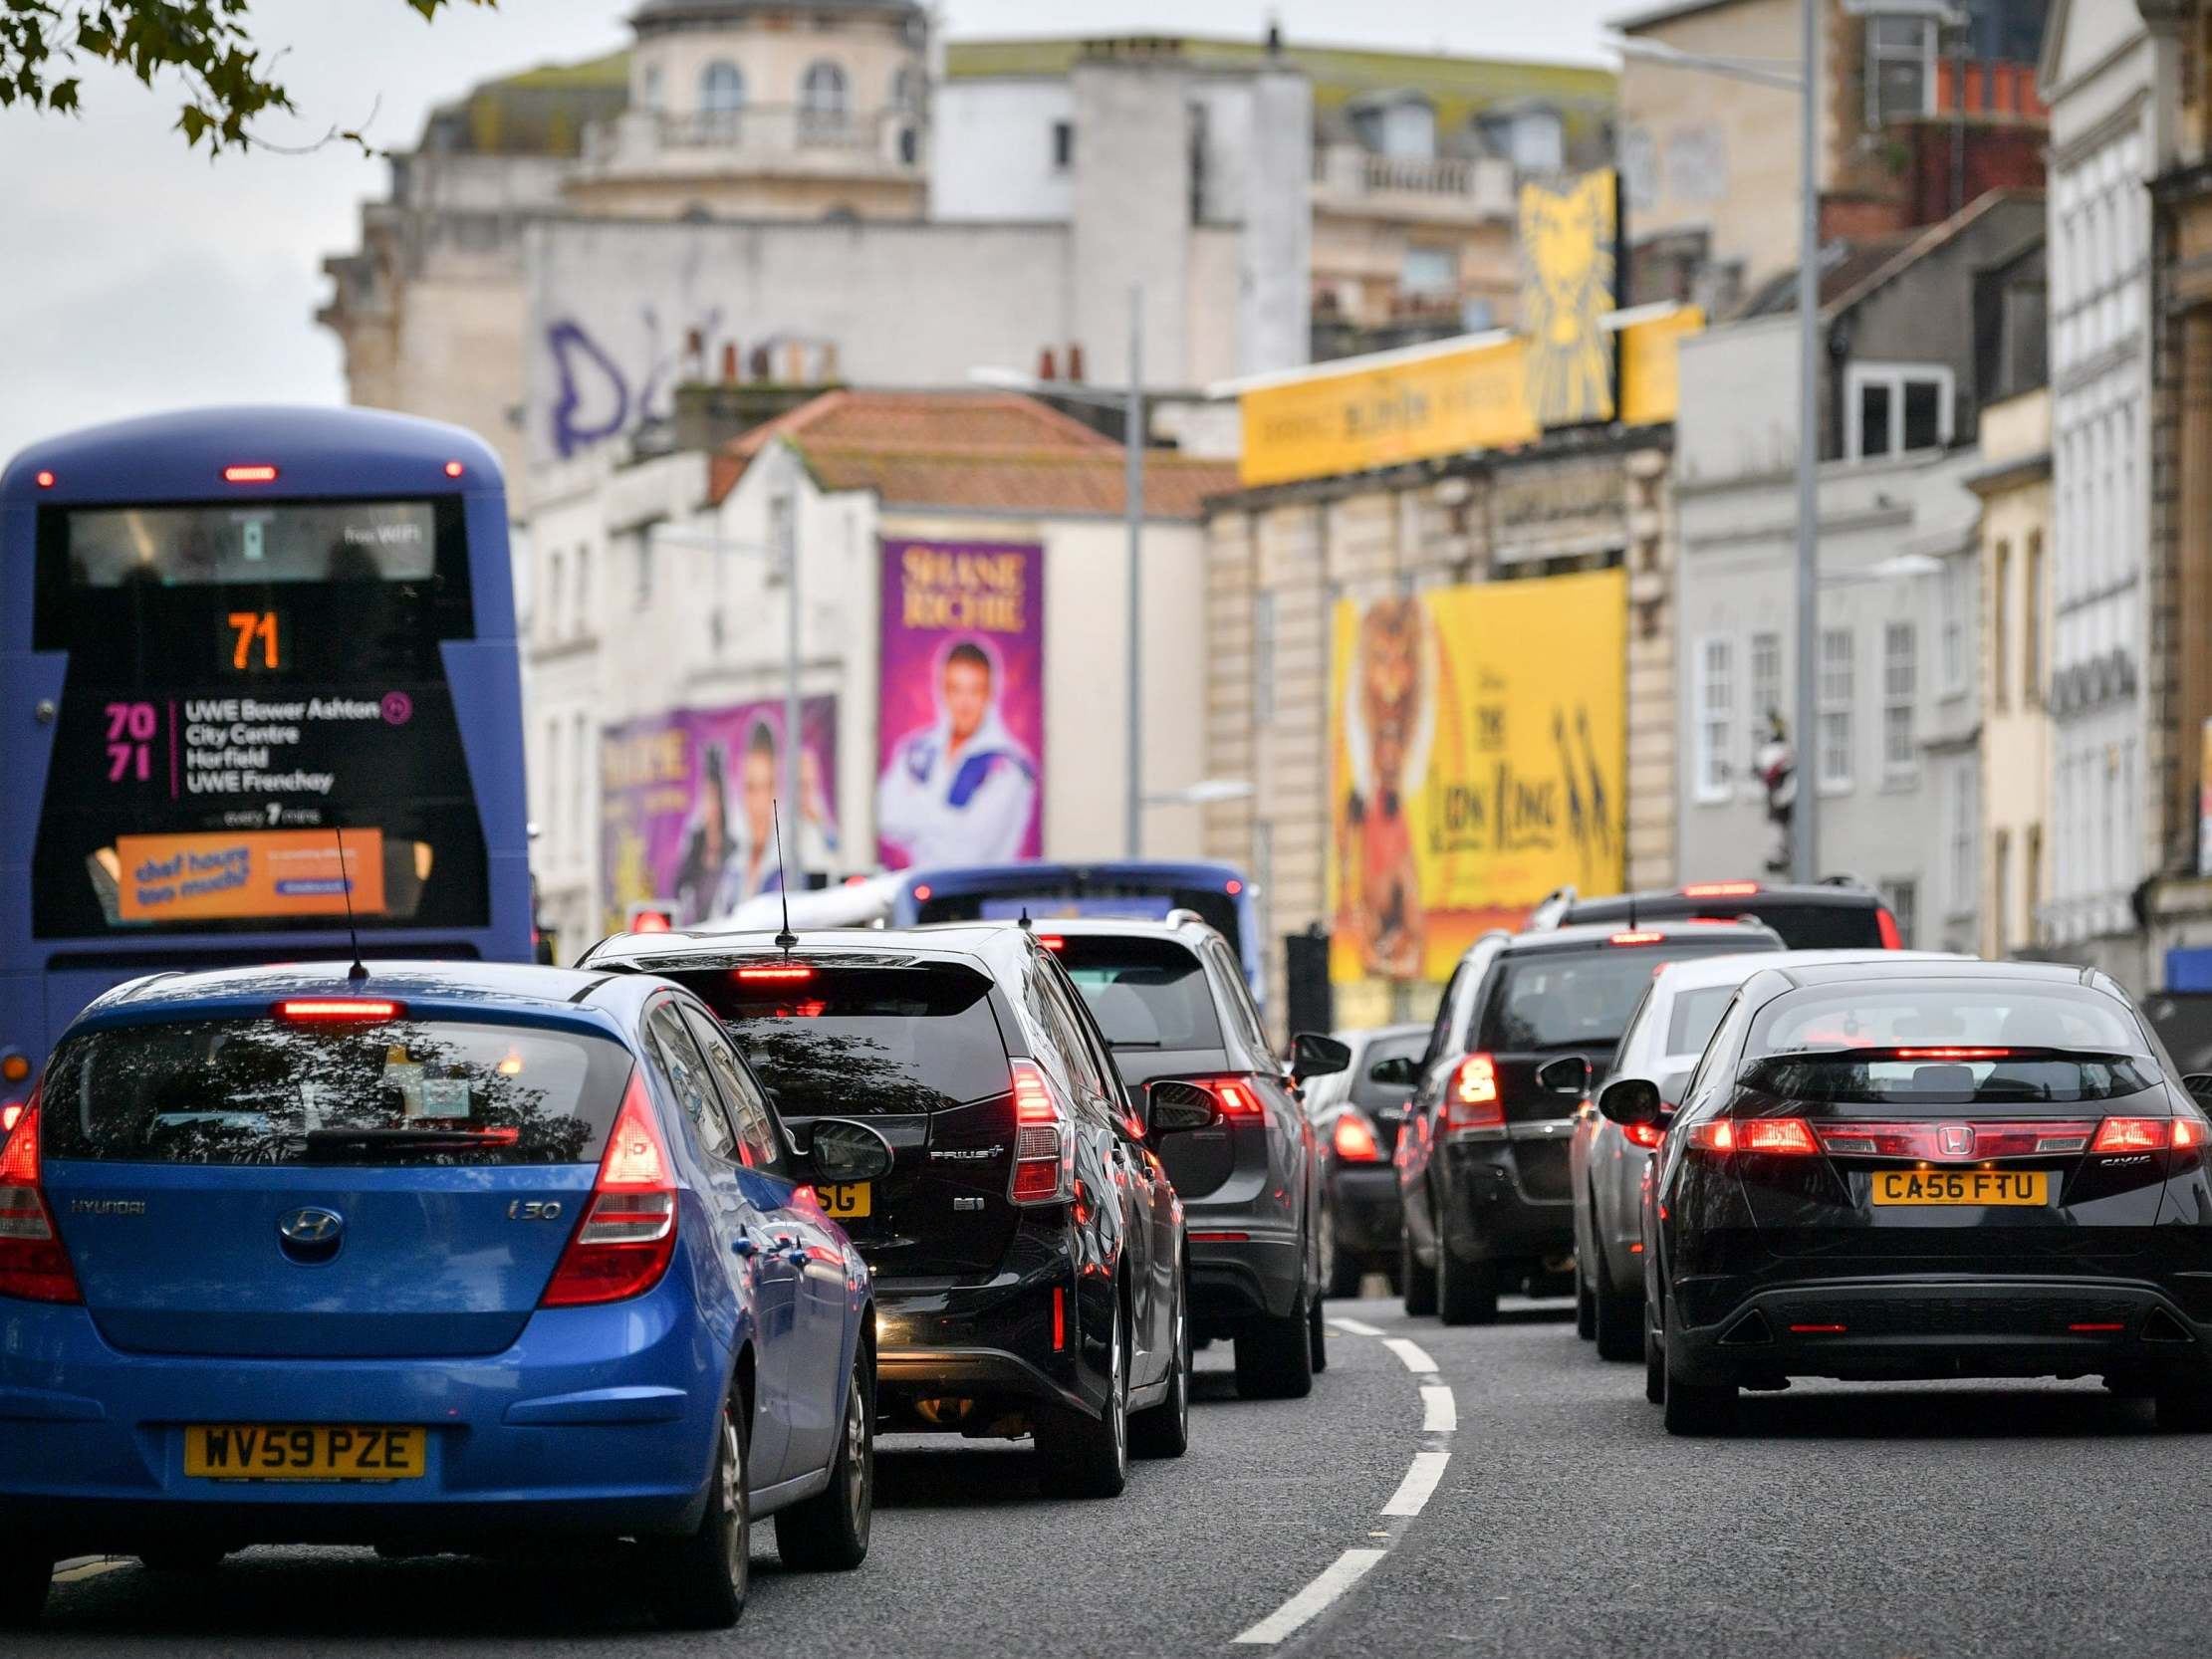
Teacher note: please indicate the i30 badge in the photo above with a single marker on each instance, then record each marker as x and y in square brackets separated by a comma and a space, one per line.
[1955, 1140]
[311, 1234]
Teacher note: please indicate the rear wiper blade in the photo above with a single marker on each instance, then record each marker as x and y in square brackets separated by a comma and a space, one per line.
[1134, 1043]
[443, 1140]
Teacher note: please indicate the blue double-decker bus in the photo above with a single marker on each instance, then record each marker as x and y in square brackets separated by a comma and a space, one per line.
[257, 666]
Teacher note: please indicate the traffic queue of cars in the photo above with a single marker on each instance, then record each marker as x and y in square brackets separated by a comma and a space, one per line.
[467, 1258]
[1781, 1149]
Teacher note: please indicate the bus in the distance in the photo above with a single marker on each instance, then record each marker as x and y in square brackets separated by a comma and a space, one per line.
[260, 668]
[1218, 893]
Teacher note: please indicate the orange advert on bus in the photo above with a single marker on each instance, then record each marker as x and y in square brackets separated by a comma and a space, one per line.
[248, 874]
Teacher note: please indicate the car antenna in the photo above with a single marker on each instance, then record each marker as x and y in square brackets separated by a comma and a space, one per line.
[1631, 912]
[1025, 923]
[786, 939]
[358, 972]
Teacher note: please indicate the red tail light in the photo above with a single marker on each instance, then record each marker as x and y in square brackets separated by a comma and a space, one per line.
[1774, 1136]
[339, 1008]
[1353, 1141]
[2148, 1134]
[1044, 1140]
[1891, 939]
[1237, 1099]
[1471, 1099]
[32, 1263]
[1646, 1135]
[1720, 889]
[1637, 939]
[627, 1237]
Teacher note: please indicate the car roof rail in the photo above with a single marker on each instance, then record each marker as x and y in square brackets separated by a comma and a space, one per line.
[1549, 908]
[1179, 916]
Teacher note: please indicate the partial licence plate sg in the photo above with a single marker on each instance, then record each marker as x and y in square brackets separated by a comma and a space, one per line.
[304, 1452]
[845, 1200]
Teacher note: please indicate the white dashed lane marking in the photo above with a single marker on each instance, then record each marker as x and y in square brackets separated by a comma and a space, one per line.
[1355, 1328]
[1414, 1357]
[1347, 1571]
[1420, 1481]
[1440, 1411]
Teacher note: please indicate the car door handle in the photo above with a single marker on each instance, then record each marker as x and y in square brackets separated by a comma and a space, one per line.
[790, 1249]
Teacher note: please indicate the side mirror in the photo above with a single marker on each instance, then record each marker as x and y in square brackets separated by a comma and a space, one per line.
[1569, 1075]
[1398, 1071]
[840, 1149]
[1173, 1107]
[1316, 1056]
[1630, 1102]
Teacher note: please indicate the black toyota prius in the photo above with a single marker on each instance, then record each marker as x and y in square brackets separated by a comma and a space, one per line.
[1927, 1170]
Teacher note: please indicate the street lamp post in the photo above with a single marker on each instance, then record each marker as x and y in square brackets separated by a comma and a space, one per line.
[1131, 404]
[1804, 80]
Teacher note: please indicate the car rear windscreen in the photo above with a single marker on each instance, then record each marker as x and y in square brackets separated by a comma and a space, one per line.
[861, 1042]
[1576, 998]
[1144, 993]
[263, 1091]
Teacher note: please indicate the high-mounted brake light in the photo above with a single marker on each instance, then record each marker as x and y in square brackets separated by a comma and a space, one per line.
[1952, 1054]
[1051, 941]
[1353, 1141]
[627, 1237]
[1471, 1099]
[782, 972]
[257, 473]
[339, 1008]
[1720, 889]
[1637, 939]
[44, 479]
[649, 921]
[34, 1266]
[1044, 1140]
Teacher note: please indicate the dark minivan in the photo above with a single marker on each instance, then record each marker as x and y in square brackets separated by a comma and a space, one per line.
[1527, 1022]
[1028, 1247]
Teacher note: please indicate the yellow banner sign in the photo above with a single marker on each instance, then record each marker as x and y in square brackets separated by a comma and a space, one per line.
[1651, 365]
[1477, 759]
[1567, 232]
[1407, 409]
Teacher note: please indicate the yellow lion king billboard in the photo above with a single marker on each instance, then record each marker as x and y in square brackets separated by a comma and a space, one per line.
[1478, 751]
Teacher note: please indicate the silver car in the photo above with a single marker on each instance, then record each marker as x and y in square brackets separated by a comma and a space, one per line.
[1607, 1164]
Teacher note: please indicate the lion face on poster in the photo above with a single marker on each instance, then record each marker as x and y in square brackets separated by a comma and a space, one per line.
[1566, 281]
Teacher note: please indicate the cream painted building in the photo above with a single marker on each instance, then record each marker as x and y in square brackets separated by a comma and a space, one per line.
[629, 613]
[2014, 484]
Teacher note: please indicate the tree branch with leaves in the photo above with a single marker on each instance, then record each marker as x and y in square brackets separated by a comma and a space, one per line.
[208, 45]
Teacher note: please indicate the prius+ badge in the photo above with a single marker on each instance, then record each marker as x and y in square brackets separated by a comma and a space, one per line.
[970, 1154]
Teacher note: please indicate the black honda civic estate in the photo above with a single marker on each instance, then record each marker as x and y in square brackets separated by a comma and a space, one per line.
[1925, 1170]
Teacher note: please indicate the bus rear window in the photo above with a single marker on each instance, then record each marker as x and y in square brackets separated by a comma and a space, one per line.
[252, 542]
[273, 1091]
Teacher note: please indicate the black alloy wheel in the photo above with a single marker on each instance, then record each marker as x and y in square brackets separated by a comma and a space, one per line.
[1164, 1430]
[1655, 1361]
[1084, 1455]
[829, 1531]
[1275, 1356]
[1620, 1317]
[1466, 1292]
[703, 1577]
[1341, 1271]
[1416, 1284]
[1317, 1337]
[26, 1574]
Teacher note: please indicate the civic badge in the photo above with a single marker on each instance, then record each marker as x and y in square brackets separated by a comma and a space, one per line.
[1955, 1140]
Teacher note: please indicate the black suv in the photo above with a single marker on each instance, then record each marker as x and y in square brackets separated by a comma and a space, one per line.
[1027, 1246]
[1839, 913]
[1173, 1004]
[1526, 1023]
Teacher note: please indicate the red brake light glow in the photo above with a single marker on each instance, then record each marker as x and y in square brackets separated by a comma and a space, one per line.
[649, 921]
[1044, 1140]
[782, 973]
[1232, 886]
[258, 473]
[1353, 1141]
[339, 1008]
[1051, 941]
[1060, 1318]
[1471, 1099]
[44, 479]
[454, 469]
[32, 1264]
[1720, 889]
[1952, 1054]
[1237, 1099]
[1891, 938]
[1637, 939]
[1788, 1135]
[1646, 1135]
[1717, 1135]
[627, 1237]
[921, 893]
[2134, 1134]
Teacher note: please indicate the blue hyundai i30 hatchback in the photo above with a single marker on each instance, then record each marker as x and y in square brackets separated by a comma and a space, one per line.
[447, 1258]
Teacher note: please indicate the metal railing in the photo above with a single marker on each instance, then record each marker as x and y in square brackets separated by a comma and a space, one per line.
[891, 136]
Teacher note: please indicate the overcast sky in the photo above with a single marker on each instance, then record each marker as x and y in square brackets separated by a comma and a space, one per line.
[135, 276]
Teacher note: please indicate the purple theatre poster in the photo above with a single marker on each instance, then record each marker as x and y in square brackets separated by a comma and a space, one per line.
[684, 801]
[960, 776]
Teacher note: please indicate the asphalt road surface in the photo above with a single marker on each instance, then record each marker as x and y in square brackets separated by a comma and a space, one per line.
[1519, 1499]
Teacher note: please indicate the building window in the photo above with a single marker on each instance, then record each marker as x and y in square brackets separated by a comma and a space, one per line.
[583, 589]
[1714, 698]
[1766, 693]
[552, 627]
[1953, 600]
[1429, 273]
[1063, 146]
[556, 809]
[1964, 834]
[906, 89]
[821, 102]
[651, 91]
[645, 571]
[1900, 69]
[1999, 637]
[1902, 895]
[2032, 885]
[721, 88]
[579, 789]
[1895, 409]
[2031, 624]
[1900, 674]
[1263, 658]
[1835, 709]
[2000, 892]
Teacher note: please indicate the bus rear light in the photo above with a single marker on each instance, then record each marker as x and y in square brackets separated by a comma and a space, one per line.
[339, 1008]
[1720, 889]
[1044, 1140]
[2098, 1326]
[1819, 1330]
[454, 469]
[922, 893]
[627, 1238]
[1353, 1141]
[44, 479]
[255, 473]
[1471, 1099]
[1232, 886]
[32, 1264]
[15, 1067]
